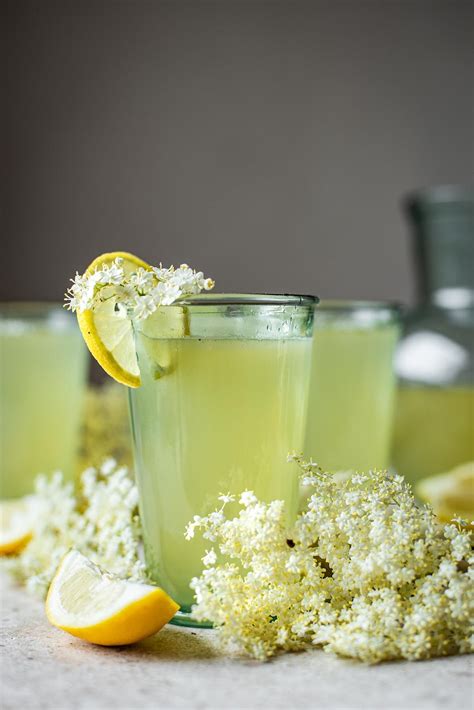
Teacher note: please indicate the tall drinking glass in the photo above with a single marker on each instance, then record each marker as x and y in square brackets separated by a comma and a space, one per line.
[221, 404]
[352, 385]
[42, 372]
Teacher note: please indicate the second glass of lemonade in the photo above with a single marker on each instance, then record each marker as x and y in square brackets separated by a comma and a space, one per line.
[43, 364]
[352, 385]
[222, 403]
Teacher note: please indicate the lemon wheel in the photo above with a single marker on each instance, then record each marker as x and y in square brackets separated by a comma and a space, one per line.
[107, 331]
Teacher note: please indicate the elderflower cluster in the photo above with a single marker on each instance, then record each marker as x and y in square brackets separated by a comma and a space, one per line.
[139, 292]
[364, 572]
[101, 522]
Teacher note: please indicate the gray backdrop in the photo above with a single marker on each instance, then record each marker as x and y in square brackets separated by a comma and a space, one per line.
[265, 142]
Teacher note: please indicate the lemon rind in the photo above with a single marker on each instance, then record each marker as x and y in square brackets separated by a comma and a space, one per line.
[90, 333]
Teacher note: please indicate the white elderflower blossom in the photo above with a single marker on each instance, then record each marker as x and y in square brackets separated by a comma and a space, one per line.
[140, 292]
[209, 558]
[364, 572]
[101, 522]
[247, 498]
[144, 306]
[142, 280]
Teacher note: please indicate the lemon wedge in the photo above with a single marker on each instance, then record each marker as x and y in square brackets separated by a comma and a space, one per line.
[450, 494]
[16, 524]
[108, 332]
[100, 608]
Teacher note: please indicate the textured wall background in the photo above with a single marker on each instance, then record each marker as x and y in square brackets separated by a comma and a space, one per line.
[266, 142]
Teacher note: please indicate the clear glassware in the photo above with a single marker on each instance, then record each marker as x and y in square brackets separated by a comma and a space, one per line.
[221, 404]
[434, 429]
[352, 385]
[42, 376]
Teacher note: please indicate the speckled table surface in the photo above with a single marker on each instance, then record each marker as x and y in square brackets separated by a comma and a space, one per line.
[42, 667]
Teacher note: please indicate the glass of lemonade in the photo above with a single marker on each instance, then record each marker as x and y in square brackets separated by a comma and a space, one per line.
[221, 404]
[42, 372]
[352, 385]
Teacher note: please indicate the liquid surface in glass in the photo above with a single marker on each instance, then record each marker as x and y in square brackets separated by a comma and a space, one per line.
[213, 415]
[351, 396]
[42, 371]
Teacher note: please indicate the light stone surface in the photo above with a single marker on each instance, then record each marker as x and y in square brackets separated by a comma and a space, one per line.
[42, 667]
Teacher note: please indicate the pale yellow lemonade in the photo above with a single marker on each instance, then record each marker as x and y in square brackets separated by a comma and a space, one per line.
[434, 429]
[352, 393]
[42, 370]
[213, 415]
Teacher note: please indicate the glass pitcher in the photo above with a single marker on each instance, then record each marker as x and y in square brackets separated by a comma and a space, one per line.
[434, 429]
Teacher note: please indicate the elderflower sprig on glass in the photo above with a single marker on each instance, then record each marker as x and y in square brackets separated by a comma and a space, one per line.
[140, 292]
[101, 521]
[364, 572]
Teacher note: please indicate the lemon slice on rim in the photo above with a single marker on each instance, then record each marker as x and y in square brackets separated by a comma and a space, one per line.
[16, 524]
[450, 494]
[108, 332]
[100, 608]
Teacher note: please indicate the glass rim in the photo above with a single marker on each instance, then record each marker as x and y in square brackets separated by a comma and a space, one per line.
[33, 307]
[359, 314]
[248, 299]
[436, 195]
[37, 313]
[348, 305]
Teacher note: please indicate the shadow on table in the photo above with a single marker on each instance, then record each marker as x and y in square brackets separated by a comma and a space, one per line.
[170, 644]
[174, 643]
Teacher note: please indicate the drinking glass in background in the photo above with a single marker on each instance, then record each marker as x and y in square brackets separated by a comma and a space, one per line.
[221, 404]
[352, 385]
[434, 429]
[42, 375]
